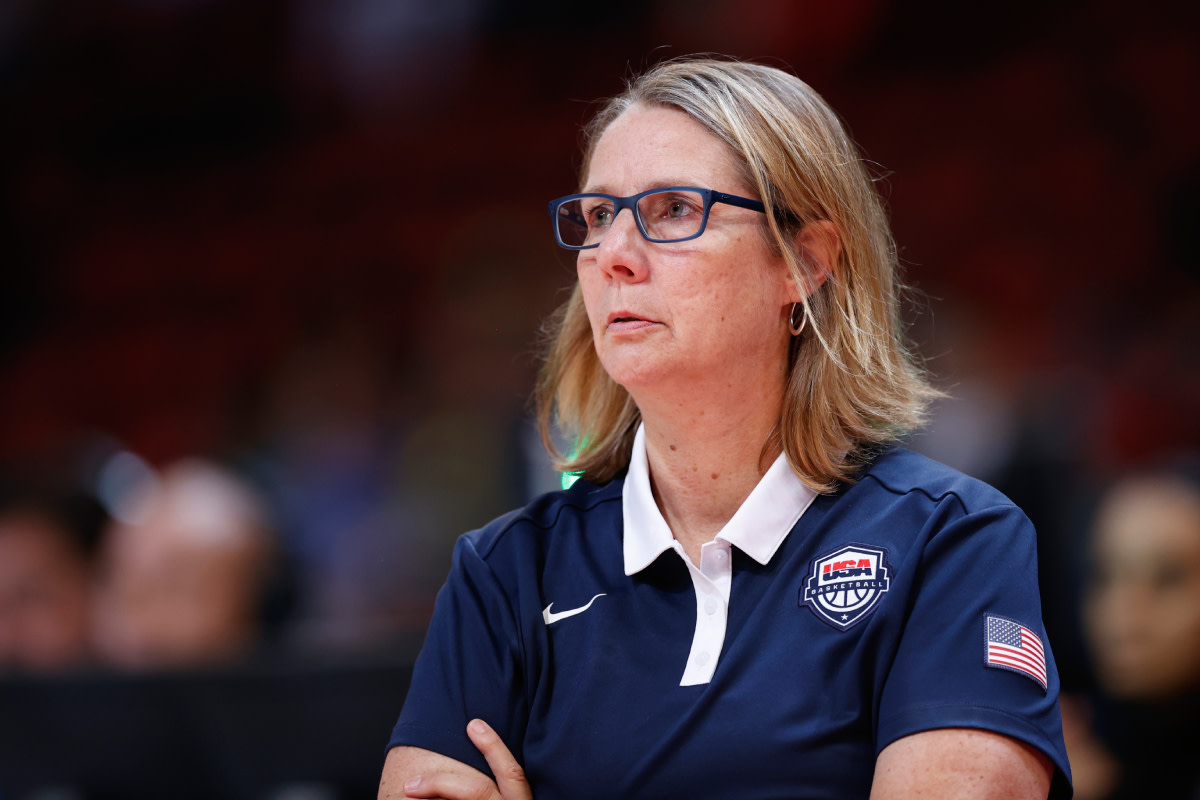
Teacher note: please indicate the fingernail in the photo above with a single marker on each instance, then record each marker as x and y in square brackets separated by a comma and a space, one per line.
[412, 784]
[477, 726]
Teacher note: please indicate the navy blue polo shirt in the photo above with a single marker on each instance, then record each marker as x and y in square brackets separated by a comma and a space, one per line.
[815, 631]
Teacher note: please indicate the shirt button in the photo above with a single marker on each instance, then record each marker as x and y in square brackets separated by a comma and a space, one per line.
[720, 555]
[710, 606]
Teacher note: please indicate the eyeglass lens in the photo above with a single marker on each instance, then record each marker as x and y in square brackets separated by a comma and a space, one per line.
[665, 216]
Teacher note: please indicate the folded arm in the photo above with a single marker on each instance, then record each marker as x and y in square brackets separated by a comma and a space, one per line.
[417, 773]
[961, 762]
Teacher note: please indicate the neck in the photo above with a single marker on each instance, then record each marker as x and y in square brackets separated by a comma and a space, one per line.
[705, 459]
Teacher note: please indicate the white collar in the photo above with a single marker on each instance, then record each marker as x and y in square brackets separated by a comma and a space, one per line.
[757, 528]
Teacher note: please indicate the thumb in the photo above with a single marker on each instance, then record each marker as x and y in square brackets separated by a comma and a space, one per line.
[510, 776]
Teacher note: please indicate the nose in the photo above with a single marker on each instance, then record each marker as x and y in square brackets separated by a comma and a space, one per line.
[1121, 609]
[621, 254]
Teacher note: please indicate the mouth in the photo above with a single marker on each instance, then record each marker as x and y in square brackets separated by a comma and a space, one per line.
[625, 316]
[624, 323]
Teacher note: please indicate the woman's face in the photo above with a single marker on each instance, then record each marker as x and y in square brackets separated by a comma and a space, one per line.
[689, 316]
[1142, 610]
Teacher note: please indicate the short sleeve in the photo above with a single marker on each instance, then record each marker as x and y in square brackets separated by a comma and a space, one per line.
[469, 666]
[974, 567]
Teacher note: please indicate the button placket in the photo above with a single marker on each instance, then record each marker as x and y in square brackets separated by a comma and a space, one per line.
[711, 581]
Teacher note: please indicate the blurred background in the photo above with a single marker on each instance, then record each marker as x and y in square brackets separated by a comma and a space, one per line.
[271, 280]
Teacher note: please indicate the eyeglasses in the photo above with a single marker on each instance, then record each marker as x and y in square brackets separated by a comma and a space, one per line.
[671, 214]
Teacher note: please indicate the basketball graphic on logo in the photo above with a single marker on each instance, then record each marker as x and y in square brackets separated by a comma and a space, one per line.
[848, 599]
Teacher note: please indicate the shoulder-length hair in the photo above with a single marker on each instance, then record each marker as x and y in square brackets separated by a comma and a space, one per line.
[852, 383]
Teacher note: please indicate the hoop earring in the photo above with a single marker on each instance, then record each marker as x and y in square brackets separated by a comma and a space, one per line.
[797, 329]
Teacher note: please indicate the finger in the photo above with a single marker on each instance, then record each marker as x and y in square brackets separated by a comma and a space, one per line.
[451, 786]
[510, 776]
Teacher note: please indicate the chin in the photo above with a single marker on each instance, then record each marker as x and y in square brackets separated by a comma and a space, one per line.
[631, 371]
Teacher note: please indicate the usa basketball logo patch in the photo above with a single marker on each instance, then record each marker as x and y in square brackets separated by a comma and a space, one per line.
[847, 584]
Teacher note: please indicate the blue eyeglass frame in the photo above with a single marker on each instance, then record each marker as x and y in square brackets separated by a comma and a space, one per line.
[709, 196]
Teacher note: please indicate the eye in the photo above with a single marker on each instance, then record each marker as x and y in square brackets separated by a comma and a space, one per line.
[598, 215]
[679, 208]
[669, 207]
[1165, 577]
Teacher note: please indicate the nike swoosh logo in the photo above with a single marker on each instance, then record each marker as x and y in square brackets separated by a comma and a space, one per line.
[551, 618]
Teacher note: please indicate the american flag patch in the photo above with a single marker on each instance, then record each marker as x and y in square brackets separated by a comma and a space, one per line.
[1011, 645]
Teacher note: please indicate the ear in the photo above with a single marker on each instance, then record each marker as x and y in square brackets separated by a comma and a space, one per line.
[819, 245]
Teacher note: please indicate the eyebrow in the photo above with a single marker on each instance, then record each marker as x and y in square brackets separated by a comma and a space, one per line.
[650, 185]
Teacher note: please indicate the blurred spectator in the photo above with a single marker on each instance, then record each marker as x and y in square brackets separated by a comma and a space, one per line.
[186, 568]
[47, 556]
[1142, 620]
[360, 539]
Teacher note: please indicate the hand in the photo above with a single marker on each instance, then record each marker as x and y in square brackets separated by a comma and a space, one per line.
[510, 783]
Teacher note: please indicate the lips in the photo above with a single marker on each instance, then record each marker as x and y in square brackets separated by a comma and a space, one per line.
[625, 316]
[626, 322]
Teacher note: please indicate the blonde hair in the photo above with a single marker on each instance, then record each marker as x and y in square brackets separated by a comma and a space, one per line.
[852, 384]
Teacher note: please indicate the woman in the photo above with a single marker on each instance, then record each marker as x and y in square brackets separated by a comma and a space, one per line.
[1141, 614]
[751, 593]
